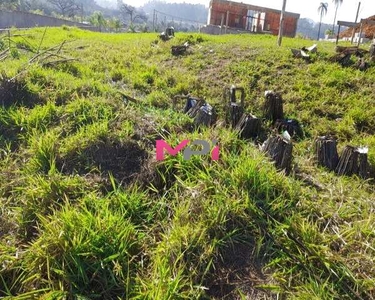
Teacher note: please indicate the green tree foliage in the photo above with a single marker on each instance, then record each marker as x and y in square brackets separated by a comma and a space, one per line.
[115, 24]
[98, 20]
[130, 13]
[197, 12]
[9, 4]
[308, 28]
[337, 3]
[322, 9]
[65, 7]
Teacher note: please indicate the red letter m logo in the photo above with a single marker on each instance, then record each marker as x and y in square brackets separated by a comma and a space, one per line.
[162, 145]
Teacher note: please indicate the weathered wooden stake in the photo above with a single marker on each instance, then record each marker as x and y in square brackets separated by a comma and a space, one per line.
[326, 152]
[363, 166]
[280, 151]
[273, 106]
[205, 116]
[190, 103]
[193, 111]
[249, 127]
[235, 113]
[372, 51]
[353, 161]
[292, 126]
[235, 109]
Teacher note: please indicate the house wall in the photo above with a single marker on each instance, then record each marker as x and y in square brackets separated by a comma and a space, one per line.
[290, 24]
[266, 19]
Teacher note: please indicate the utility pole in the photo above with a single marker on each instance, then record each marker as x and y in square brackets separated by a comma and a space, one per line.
[356, 19]
[281, 27]
[153, 21]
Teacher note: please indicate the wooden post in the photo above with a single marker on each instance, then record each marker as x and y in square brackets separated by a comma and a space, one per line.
[338, 35]
[280, 151]
[372, 51]
[205, 116]
[273, 106]
[360, 34]
[356, 19]
[235, 113]
[227, 22]
[363, 165]
[248, 127]
[281, 26]
[221, 24]
[234, 110]
[193, 111]
[292, 126]
[353, 161]
[326, 152]
[190, 103]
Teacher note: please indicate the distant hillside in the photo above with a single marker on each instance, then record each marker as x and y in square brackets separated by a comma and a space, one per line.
[196, 12]
[308, 28]
[87, 7]
[107, 4]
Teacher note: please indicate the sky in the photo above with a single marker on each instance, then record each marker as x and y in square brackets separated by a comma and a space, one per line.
[306, 8]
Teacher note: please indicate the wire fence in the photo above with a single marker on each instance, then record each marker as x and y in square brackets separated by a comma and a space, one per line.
[161, 20]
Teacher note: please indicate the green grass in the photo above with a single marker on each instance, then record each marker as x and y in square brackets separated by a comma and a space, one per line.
[87, 213]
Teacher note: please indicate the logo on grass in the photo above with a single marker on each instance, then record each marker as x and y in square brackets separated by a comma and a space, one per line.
[190, 149]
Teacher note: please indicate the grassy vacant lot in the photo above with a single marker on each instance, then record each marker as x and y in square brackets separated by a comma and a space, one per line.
[87, 213]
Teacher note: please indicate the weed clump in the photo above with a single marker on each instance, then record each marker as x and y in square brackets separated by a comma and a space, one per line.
[89, 252]
[122, 160]
[15, 91]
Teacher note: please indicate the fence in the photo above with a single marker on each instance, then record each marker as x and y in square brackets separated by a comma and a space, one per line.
[161, 19]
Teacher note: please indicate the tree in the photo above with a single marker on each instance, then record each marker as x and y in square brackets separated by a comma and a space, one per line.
[322, 9]
[98, 20]
[115, 24]
[9, 4]
[308, 28]
[131, 12]
[66, 7]
[337, 4]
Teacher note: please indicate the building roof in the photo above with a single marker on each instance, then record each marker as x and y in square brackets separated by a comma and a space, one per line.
[255, 7]
[367, 29]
